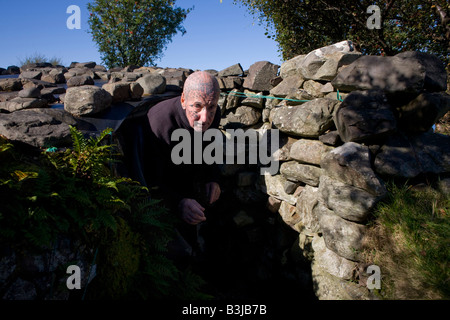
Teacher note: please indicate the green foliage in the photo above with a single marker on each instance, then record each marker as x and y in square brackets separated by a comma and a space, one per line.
[73, 193]
[88, 158]
[410, 243]
[300, 26]
[134, 32]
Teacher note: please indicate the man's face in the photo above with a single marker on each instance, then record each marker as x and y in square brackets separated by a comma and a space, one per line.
[200, 108]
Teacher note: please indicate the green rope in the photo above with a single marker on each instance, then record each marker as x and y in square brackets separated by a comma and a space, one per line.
[339, 96]
[52, 149]
[244, 95]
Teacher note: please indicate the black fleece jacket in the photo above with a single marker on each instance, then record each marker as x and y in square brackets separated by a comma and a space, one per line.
[176, 181]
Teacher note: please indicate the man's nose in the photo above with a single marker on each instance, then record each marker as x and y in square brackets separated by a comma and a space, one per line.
[203, 115]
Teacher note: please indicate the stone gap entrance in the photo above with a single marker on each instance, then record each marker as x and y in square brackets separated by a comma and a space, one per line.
[250, 252]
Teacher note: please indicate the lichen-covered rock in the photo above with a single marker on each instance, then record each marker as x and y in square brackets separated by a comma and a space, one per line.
[348, 202]
[19, 103]
[86, 100]
[310, 120]
[153, 83]
[341, 236]
[305, 173]
[350, 163]
[259, 75]
[309, 151]
[390, 74]
[408, 157]
[324, 63]
[42, 128]
[308, 222]
[365, 116]
[332, 262]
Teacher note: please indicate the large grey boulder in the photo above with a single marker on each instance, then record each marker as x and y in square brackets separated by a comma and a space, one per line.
[391, 74]
[10, 84]
[351, 164]
[12, 70]
[20, 103]
[55, 75]
[346, 201]
[30, 92]
[289, 214]
[81, 80]
[288, 86]
[233, 100]
[120, 91]
[243, 116]
[310, 120]
[294, 171]
[435, 74]
[40, 128]
[409, 156]
[307, 222]
[332, 262]
[324, 63]
[86, 100]
[259, 75]
[253, 99]
[364, 116]
[153, 83]
[31, 75]
[420, 114]
[73, 72]
[89, 64]
[234, 70]
[309, 151]
[176, 77]
[341, 236]
[291, 67]
[273, 186]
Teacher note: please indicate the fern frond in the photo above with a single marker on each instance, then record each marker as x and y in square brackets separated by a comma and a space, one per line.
[78, 140]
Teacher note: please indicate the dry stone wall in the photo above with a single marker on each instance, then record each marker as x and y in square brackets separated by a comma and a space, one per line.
[348, 124]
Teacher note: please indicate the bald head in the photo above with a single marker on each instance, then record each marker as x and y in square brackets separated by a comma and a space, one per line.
[199, 99]
[201, 83]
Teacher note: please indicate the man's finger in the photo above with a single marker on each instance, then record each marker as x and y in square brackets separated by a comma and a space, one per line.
[195, 206]
[196, 211]
[213, 192]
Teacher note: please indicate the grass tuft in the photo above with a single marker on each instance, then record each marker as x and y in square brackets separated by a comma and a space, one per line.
[410, 240]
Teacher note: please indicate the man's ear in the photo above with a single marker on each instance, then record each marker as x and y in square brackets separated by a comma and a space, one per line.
[183, 101]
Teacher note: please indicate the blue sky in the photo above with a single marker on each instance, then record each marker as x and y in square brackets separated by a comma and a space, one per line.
[218, 35]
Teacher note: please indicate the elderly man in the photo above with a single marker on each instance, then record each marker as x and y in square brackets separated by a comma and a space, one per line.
[195, 110]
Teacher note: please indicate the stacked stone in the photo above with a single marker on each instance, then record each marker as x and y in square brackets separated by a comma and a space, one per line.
[26, 101]
[348, 123]
[337, 155]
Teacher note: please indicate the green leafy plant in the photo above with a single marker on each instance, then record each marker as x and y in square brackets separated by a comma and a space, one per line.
[134, 32]
[300, 26]
[75, 193]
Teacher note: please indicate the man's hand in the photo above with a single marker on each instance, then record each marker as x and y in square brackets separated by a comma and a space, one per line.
[191, 211]
[212, 191]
